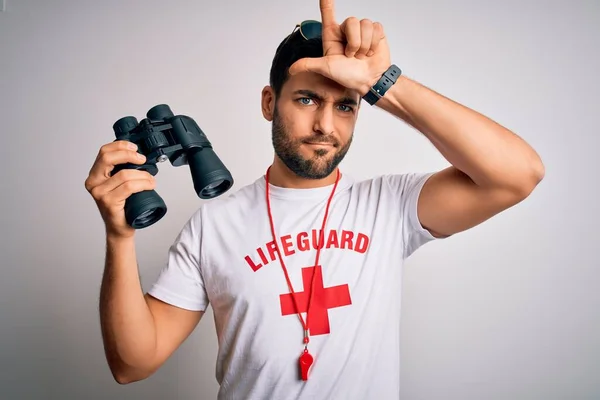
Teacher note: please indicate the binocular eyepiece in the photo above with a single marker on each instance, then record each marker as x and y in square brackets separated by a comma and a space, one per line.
[163, 136]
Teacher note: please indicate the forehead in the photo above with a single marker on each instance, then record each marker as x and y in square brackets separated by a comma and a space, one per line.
[319, 84]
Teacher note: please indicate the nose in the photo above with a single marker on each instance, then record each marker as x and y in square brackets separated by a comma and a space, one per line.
[323, 123]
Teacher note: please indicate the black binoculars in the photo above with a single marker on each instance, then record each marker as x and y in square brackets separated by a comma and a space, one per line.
[163, 136]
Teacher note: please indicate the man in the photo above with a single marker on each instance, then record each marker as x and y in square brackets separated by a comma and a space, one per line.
[303, 266]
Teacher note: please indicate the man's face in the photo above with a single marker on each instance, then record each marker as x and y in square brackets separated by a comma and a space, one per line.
[313, 124]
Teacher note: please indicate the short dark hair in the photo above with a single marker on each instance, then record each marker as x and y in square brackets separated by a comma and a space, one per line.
[287, 53]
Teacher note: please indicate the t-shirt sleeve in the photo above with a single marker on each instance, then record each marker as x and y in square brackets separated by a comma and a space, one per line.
[180, 281]
[407, 188]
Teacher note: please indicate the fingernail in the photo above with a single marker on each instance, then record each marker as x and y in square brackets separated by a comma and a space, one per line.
[140, 156]
[132, 146]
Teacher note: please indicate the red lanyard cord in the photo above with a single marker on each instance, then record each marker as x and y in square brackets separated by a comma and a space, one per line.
[320, 244]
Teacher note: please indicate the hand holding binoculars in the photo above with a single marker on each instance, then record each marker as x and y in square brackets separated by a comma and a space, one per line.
[162, 136]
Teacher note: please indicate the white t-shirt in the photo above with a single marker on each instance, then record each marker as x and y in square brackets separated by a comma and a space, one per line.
[223, 256]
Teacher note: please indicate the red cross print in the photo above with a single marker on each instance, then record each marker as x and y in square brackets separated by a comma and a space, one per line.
[323, 300]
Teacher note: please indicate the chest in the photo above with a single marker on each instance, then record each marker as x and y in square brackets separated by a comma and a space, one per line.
[249, 270]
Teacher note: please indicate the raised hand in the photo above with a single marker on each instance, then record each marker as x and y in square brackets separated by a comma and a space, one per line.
[110, 192]
[355, 53]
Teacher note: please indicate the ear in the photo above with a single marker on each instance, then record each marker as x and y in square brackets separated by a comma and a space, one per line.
[268, 102]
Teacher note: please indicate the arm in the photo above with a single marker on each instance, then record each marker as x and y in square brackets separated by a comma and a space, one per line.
[139, 332]
[492, 168]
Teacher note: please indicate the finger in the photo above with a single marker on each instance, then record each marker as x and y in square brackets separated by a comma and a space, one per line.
[118, 179]
[376, 38]
[366, 38]
[310, 64]
[327, 13]
[351, 30]
[106, 161]
[119, 144]
[108, 157]
[117, 196]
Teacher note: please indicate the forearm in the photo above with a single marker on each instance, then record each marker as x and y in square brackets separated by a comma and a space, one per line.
[128, 328]
[491, 155]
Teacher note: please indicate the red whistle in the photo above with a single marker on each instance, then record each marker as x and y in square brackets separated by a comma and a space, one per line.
[306, 361]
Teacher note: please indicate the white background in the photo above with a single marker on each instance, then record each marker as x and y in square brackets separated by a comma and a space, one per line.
[508, 310]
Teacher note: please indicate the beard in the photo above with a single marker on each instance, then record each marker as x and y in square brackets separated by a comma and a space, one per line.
[287, 148]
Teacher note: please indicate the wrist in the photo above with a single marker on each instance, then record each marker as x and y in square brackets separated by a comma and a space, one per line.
[119, 239]
[395, 99]
[380, 87]
[368, 85]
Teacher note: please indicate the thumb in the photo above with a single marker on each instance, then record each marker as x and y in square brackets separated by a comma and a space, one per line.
[310, 64]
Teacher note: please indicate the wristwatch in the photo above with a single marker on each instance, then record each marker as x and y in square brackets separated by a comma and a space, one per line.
[386, 81]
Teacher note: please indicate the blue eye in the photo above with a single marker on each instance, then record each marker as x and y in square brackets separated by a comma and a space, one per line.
[304, 98]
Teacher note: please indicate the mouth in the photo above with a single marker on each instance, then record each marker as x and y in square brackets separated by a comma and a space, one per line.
[320, 147]
[320, 144]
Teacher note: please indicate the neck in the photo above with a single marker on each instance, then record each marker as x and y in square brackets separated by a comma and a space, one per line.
[280, 175]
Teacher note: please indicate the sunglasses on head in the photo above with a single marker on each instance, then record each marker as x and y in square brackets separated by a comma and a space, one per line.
[309, 29]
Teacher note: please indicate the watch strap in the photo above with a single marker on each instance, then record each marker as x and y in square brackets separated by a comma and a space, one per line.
[386, 81]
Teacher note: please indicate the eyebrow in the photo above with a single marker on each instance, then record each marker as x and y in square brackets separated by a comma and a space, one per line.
[309, 93]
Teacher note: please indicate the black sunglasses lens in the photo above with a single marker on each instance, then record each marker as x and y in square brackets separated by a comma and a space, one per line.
[311, 29]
